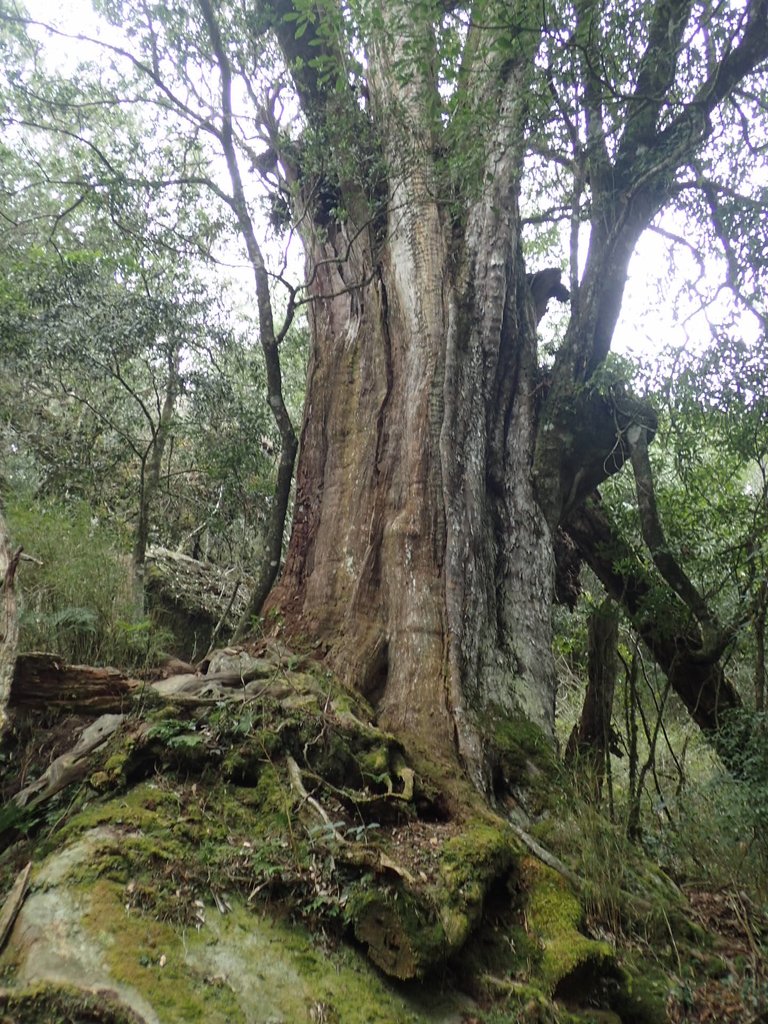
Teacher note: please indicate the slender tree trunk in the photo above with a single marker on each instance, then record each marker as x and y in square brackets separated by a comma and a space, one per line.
[759, 628]
[9, 620]
[590, 739]
[150, 470]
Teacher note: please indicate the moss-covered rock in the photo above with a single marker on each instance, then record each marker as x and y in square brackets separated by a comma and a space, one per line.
[213, 832]
[470, 864]
[554, 917]
[65, 1004]
[79, 955]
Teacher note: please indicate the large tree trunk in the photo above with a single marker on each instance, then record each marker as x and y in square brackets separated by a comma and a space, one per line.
[436, 461]
[418, 550]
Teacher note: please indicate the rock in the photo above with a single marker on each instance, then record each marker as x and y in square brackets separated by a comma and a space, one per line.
[233, 662]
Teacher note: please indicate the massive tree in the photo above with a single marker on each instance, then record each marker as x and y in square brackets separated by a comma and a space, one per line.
[438, 459]
[410, 145]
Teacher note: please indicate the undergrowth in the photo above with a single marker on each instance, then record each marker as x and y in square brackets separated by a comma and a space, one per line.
[76, 598]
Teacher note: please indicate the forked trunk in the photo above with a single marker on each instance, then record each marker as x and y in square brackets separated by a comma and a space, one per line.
[436, 462]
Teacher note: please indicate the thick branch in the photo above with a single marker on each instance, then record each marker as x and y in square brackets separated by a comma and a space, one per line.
[659, 618]
[657, 67]
[653, 535]
[583, 442]
[45, 681]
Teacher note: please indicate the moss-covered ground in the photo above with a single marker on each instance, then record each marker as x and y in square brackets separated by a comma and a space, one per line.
[282, 851]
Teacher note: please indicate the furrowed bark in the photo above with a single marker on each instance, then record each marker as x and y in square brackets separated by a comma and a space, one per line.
[417, 437]
[436, 460]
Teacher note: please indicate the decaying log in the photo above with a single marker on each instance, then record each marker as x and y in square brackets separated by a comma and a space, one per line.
[72, 765]
[45, 681]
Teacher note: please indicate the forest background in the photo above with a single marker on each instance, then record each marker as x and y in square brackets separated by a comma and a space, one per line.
[163, 350]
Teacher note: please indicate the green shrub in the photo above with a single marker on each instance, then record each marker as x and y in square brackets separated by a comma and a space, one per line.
[721, 833]
[77, 599]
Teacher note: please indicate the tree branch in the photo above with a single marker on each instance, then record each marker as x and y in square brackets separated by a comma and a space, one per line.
[660, 619]
[653, 535]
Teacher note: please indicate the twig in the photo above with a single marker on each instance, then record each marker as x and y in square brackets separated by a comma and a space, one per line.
[294, 774]
[546, 857]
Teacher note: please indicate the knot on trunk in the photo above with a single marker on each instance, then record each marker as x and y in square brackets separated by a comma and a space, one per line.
[546, 285]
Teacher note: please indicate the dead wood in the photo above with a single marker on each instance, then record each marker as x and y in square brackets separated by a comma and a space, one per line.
[45, 681]
[70, 766]
[13, 902]
[9, 620]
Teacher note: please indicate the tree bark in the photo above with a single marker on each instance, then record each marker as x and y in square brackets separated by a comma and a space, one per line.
[418, 550]
[436, 460]
[43, 681]
[590, 740]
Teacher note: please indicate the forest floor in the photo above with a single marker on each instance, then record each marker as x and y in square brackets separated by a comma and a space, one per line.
[740, 995]
[258, 771]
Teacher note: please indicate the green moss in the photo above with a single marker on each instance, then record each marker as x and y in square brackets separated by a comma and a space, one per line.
[469, 864]
[554, 914]
[152, 958]
[244, 761]
[172, 842]
[402, 934]
[523, 752]
[239, 964]
[140, 808]
[642, 992]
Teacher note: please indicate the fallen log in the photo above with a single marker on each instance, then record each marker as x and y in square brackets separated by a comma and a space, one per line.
[71, 766]
[45, 681]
